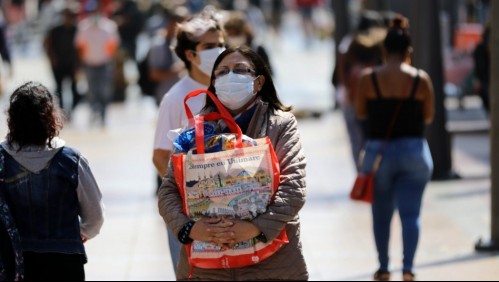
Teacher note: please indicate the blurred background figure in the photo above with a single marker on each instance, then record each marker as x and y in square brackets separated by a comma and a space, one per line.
[240, 33]
[306, 9]
[481, 59]
[155, 20]
[4, 51]
[63, 57]
[253, 16]
[15, 15]
[97, 40]
[275, 15]
[50, 14]
[130, 23]
[397, 101]
[163, 66]
[358, 50]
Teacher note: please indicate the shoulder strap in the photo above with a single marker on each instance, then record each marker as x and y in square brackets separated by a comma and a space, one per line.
[376, 84]
[415, 85]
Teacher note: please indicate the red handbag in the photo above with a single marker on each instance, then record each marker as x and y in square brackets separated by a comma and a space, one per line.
[363, 188]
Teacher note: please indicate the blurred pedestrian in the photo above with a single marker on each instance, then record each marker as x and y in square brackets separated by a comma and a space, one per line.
[397, 101]
[97, 40]
[164, 67]
[245, 87]
[358, 50]
[4, 51]
[49, 188]
[199, 42]
[240, 33]
[253, 16]
[63, 56]
[481, 59]
[129, 19]
[306, 9]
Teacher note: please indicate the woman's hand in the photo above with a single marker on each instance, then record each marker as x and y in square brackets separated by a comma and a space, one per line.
[235, 232]
[208, 229]
[84, 238]
[224, 232]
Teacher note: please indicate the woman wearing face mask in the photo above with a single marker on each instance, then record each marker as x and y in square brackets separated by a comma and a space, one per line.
[244, 86]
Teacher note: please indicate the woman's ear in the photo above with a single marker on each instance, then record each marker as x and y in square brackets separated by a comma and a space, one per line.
[259, 82]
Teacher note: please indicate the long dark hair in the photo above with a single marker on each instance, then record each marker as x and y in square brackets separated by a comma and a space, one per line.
[268, 92]
[33, 116]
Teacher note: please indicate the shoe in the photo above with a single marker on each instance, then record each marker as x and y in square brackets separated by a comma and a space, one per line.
[381, 276]
[408, 276]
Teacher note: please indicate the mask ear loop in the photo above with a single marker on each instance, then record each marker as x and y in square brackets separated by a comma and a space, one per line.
[261, 86]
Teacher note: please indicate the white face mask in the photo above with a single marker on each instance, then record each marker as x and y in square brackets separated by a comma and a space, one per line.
[208, 58]
[235, 90]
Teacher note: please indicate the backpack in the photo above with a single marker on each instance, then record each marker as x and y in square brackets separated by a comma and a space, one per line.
[147, 86]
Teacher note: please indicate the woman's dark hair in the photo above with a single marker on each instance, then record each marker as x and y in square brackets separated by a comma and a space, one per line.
[33, 116]
[398, 39]
[268, 92]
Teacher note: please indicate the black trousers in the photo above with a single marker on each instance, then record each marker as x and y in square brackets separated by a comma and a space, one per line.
[55, 267]
[59, 75]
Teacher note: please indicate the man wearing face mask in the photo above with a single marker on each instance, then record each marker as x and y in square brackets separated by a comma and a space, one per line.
[199, 42]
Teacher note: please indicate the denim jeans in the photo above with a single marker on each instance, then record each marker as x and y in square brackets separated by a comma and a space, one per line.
[400, 181]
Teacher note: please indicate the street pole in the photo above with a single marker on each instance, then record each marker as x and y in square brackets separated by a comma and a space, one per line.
[493, 245]
[425, 28]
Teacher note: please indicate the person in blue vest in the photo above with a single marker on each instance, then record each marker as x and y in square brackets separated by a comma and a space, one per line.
[48, 187]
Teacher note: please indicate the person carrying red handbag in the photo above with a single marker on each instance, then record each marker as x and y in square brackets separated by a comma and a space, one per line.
[407, 166]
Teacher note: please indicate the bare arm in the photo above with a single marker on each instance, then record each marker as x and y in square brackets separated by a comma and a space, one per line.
[429, 98]
[161, 158]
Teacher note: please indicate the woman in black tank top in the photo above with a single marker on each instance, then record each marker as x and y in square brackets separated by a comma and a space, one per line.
[396, 101]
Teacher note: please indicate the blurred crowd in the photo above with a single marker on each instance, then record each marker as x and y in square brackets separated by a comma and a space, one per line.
[77, 51]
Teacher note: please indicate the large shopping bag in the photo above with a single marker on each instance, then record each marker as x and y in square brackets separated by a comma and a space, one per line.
[239, 181]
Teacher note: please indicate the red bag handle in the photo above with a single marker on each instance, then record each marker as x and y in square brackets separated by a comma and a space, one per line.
[199, 120]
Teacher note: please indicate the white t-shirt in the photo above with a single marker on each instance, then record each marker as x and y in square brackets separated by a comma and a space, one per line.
[172, 113]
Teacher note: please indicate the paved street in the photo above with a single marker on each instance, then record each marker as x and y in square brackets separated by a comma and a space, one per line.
[336, 232]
